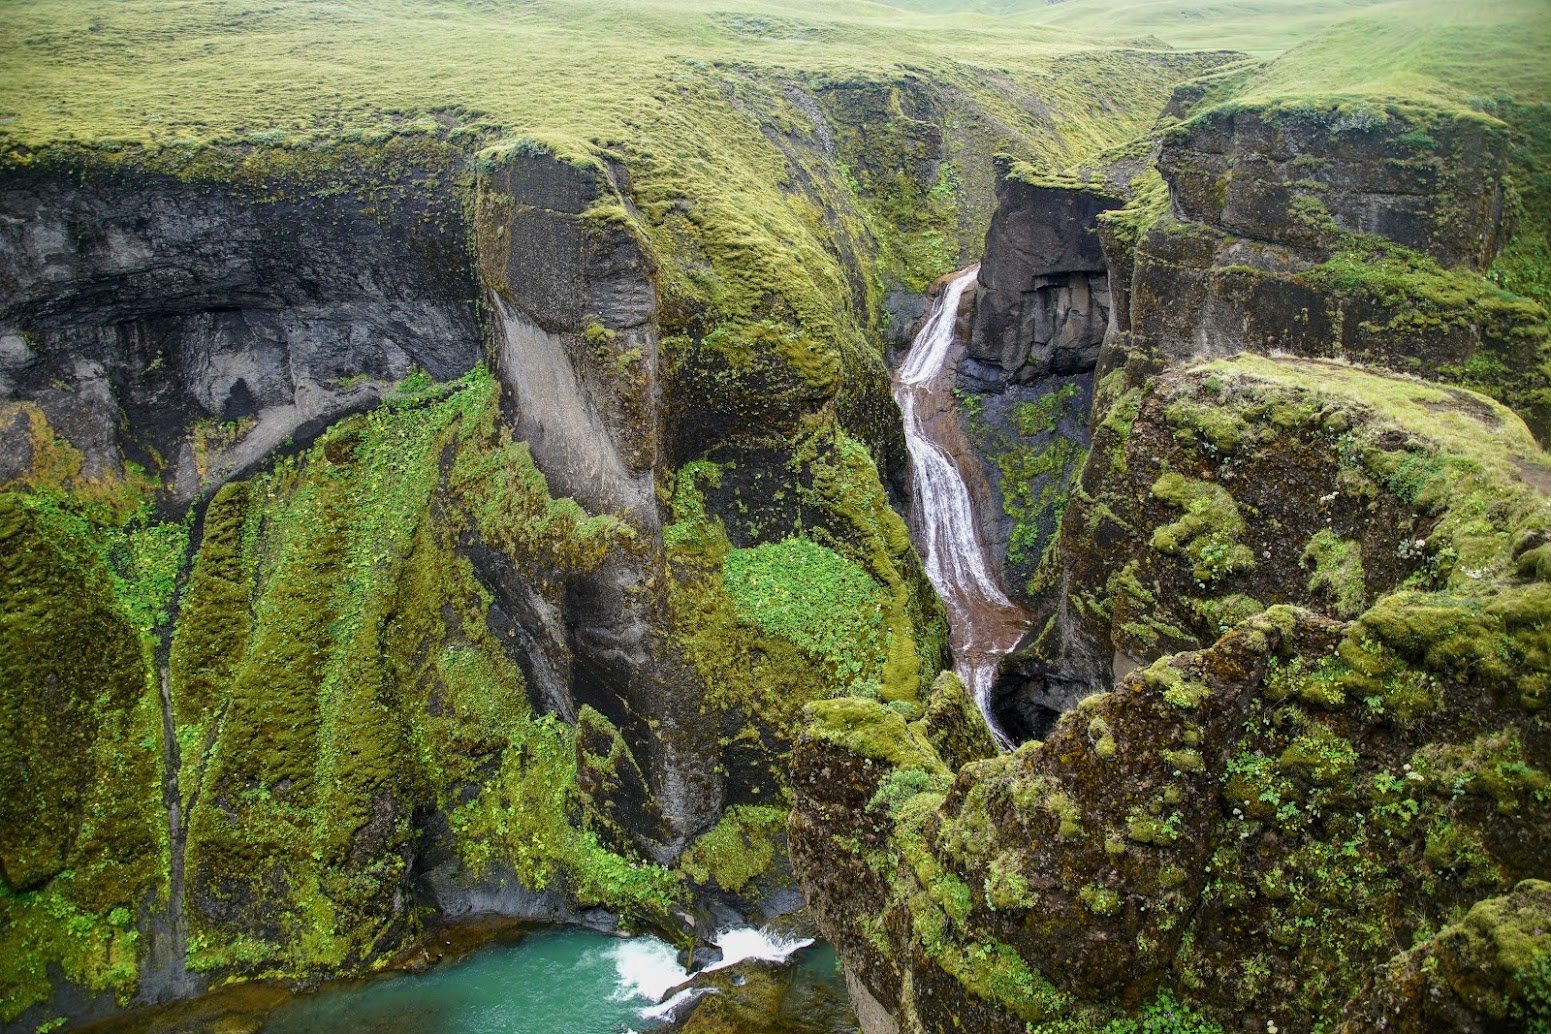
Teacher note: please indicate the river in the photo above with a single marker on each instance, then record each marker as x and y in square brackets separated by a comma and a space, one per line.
[550, 980]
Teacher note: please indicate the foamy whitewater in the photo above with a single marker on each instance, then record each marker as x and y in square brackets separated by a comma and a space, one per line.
[649, 967]
[749, 943]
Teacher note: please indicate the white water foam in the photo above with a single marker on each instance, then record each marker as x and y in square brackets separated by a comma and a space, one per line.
[745, 942]
[647, 968]
[663, 1011]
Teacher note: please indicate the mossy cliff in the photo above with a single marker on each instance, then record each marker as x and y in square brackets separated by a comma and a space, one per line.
[441, 521]
[1249, 829]
[1284, 748]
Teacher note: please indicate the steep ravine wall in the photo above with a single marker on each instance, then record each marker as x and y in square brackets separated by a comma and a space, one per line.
[332, 683]
[1273, 241]
[1289, 633]
[429, 509]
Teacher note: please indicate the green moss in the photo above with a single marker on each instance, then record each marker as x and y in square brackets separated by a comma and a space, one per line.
[1035, 464]
[1220, 426]
[1208, 533]
[1189, 762]
[952, 723]
[1322, 683]
[1117, 423]
[741, 847]
[902, 784]
[335, 676]
[1177, 688]
[1338, 569]
[813, 597]
[1101, 901]
[1463, 462]
[80, 840]
[1321, 757]
[1147, 206]
[868, 729]
[213, 628]
[47, 930]
[841, 604]
[1223, 613]
[1006, 887]
[1524, 266]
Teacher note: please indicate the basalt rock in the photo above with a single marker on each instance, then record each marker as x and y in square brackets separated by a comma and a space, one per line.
[1043, 301]
[1320, 232]
[1484, 973]
[1297, 176]
[1041, 311]
[143, 315]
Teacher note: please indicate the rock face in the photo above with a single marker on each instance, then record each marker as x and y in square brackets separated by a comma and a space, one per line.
[1474, 975]
[1297, 177]
[1245, 800]
[138, 311]
[1041, 312]
[1043, 303]
[1286, 631]
[1283, 240]
[1270, 243]
[395, 541]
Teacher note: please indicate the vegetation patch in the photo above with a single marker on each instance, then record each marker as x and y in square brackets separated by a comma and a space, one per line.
[740, 848]
[815, 598]
[1208, 533]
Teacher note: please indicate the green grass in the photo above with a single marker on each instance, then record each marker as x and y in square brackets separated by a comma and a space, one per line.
[580, 71]
[1429, 54]
[1259, 27]
[815, 598]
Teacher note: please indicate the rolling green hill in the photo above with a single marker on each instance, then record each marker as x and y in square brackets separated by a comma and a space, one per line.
[570, 70]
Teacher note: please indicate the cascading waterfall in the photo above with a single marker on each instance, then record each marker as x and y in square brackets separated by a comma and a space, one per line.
[985, 623]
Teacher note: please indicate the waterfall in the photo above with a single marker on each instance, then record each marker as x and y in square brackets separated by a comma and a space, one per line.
[985, 624]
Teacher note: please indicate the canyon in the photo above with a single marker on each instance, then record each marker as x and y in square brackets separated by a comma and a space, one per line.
[1074, 535]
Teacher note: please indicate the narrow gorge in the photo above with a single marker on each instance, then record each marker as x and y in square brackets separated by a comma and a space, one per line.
[574, 516]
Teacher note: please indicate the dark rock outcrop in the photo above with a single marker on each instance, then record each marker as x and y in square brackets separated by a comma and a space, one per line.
[1484, 973]
[1319, 232]
[1245, 798]
[1299, 176]
[202, 327]
[1043, 302]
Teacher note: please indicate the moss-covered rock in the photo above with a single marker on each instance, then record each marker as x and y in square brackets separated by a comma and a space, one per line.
[1223, 826]
[1488, 970]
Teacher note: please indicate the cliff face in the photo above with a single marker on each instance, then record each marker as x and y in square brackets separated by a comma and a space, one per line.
[407, 533]
[142, 314]
[304, 639]
[1248, 800]
[1041, 310]
[1287, 635]
[1264, 236]
[1284, 238]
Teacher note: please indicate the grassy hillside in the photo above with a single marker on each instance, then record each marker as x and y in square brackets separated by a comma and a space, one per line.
[575, 70]
[1259, 27]
[1420, 53]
